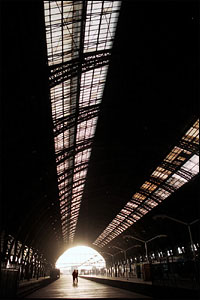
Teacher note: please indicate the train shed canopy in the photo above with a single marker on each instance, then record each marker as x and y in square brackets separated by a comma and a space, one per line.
[100, 128]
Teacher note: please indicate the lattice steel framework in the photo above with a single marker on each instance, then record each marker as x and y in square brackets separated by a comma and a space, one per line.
[79, 37]
[29, 262]
[178, 168]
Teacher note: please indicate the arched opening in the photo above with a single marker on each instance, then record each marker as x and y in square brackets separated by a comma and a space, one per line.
[85, 259]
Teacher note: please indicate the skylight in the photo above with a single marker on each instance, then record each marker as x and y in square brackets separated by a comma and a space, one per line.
[178, 168]
[79, 37]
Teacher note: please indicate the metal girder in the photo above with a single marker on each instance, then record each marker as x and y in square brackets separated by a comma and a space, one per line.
[67, 208]
[78, 168]
[64, 71]
[169, 166]
[168, 188]
[156, 180]
[83, 111]
[70, 121]
[148, 195]
[187, 175]
[189, 146]
[70, 152]
[71, 186]
[66, 204]
[144, 205]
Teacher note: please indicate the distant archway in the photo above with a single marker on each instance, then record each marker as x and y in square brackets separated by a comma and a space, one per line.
[85, 259]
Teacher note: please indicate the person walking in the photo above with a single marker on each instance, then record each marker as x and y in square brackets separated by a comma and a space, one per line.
[75, 276]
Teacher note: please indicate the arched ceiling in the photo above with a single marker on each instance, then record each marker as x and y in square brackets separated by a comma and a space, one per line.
[149, 102]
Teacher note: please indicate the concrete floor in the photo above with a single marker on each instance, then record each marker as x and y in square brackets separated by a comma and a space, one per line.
[85, 289]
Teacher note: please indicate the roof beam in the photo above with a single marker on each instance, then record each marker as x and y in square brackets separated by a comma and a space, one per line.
[89, 61]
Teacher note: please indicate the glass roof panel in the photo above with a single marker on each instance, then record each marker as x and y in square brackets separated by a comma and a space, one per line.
[192, 165]
[74, 128]
[185, 165]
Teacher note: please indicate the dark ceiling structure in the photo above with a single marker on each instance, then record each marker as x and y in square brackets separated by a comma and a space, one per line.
[149, 102]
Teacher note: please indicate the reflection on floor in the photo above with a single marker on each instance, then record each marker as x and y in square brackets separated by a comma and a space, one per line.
[64, 288]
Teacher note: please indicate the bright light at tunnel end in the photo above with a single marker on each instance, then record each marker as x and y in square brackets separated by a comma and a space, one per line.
[82, 258]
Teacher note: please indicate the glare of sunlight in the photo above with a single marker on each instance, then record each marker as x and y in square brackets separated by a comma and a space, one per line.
[83, 258]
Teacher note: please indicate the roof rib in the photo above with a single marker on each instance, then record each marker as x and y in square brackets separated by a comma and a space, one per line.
[177, 168]
[79, 38]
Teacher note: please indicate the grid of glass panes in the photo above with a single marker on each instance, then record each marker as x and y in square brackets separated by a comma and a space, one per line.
[63, 25]
[101, 21]
[162, 183]
[63, 21]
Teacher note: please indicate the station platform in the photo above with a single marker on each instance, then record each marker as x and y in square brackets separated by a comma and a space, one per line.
[25, 287]
[91, 286]
[147, 288]
[121, 279]
[85, 289]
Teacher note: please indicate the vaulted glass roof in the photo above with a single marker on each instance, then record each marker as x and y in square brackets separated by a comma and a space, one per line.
[79, 37]
[177, 168]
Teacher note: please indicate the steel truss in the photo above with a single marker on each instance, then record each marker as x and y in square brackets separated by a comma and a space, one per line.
[88, 61]
[79, 36]
[178, 167]
[75, 119]
[28, 261]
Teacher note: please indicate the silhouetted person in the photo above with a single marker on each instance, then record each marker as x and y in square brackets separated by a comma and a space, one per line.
[75, 276]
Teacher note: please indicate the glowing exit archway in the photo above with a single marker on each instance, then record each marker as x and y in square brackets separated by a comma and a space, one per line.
[82, 258]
